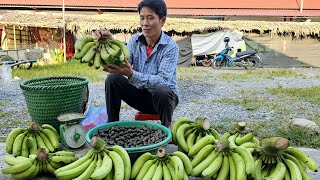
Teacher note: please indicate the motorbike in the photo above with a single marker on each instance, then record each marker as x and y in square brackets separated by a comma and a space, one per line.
[247, 59]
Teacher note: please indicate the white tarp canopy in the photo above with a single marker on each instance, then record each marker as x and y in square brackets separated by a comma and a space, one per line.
[212, 43]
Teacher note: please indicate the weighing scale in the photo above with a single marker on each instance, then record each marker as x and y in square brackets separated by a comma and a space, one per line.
[72, 133]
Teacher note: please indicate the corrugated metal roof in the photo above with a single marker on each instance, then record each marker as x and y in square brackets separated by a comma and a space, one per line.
[242, 4]
[191, 7]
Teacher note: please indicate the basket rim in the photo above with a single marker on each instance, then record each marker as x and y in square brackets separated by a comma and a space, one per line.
[25, 84]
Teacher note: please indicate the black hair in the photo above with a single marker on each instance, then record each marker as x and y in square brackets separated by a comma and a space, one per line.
[158, 6]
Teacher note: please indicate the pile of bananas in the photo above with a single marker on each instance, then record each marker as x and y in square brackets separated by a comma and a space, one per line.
[162, 166]
[29, 167]
[186, 133]
[275, 159]
[100, 52]
[221, 161]
[100, 162]
[26, 141]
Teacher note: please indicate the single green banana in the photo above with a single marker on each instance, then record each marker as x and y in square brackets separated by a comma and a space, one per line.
[240, 166]
[82, 41]
[303, 157]
[224, 169]
[258, 168]
[46, 141]
[293, 169]
[65, 153]
[171, 170]
[24, 149]
[51, 128]
[11, 138]
[54, 140]
[40, 142]
[214, 133]
[246, 138]
[166, 172]
[75, 171]
[180, 136]
[177, 163]
[139, 163]
[122, 46]
[90, 54]
[104, 169]
[176, 124]
[197, 170]
[11, 160]
[248, 159]
[32, 144]
[209, 139]
[126, 160]
[24, 165]
[303, 169]
[17, 144]
[88, 172]
[158, 172]
[26, 174]
[85, 49]
[118, 165]
[279, 171]
[77, 163]
[185, 160]
[145, 168]
[191, 139]
[214, 167]
[202, 154]
[232, 167]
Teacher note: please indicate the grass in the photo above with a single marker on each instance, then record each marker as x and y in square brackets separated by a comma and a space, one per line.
[259, 73]
[70, 68]
[279, 123]
[311, 94]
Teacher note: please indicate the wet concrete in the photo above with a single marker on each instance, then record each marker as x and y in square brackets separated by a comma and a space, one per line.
[314, 153]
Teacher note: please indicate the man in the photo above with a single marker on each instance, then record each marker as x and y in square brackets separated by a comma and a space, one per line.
[147, 82]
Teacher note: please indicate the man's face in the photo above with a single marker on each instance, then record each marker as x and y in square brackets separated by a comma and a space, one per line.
[150, 23]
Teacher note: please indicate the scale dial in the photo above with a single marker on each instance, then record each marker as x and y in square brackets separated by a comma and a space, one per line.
[75, 136]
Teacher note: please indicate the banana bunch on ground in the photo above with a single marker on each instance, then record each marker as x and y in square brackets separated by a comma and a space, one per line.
[100, 52]
[276, 159]
[222, 162]
[186, 133]
[29, 167]
[165, 166]
[100, 162]
[26, 141]
[241, 137]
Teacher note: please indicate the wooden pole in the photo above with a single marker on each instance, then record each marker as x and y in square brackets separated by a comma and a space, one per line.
[14, 37]
[301, 6]
[64, 34]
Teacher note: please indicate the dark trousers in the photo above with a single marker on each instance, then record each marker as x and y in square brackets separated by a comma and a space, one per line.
[117, 87]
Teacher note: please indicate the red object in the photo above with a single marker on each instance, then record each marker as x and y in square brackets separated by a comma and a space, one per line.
[149, 50]
[143, 117]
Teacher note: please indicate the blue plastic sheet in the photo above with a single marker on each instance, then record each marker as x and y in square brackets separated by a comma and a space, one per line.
[95, 116]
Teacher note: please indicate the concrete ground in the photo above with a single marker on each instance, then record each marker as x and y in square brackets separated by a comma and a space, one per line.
[314, 153]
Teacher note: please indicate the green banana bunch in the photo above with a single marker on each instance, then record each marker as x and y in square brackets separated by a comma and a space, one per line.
[186, 134]
[100, 52]
[21, 167]
[100, 162]
[276, 159]
[176, 165]
[220, 161]
[26, 141]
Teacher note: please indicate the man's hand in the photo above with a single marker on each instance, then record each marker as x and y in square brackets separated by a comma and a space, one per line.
[126, 70]
[102, 33]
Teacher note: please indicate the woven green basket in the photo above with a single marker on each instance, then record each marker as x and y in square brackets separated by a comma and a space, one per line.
[48, 97]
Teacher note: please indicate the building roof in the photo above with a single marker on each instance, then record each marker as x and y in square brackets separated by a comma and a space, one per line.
[188, 7]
